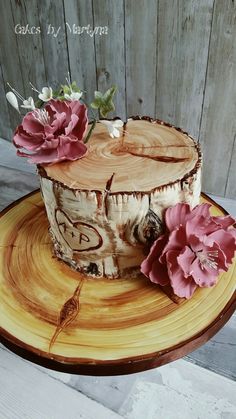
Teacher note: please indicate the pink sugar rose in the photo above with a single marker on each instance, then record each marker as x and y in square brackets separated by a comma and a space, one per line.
[194, 250]
[54, 133]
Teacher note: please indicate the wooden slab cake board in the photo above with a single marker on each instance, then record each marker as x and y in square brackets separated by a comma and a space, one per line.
[63, 320]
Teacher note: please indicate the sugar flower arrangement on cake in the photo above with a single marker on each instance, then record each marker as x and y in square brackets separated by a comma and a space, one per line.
[192, 252]
[56, 126]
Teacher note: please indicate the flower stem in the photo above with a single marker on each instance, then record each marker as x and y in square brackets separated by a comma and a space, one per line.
[90, 131]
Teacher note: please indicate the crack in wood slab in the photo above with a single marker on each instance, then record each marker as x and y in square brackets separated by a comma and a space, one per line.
[68, 314]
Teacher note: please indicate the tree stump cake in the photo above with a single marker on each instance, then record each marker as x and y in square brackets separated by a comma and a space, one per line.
[107, 208]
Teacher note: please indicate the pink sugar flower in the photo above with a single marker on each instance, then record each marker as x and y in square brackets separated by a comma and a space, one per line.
[194, 250]
[54, 133]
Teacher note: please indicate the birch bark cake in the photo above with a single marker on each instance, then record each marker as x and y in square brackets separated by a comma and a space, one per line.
[122, 199]
[107, 208]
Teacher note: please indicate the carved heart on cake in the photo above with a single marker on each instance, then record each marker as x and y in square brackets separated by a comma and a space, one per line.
[78, 235]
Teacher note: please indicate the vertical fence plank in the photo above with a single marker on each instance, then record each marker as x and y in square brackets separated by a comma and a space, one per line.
[231, 181]
[78, 14]
[25, 12]
[53, 34]
[183, 39]
[141, 45]
[109, 49]
[10, 62]
[218, 120]
[5, 125]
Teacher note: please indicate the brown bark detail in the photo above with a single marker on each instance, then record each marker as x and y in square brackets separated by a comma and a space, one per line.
[164, 159]
[109, 183]
[68, 314]
[107, 192]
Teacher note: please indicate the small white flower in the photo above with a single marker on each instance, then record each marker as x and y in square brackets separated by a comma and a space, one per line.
[28, 103]
[46, 94]
[12, 99]
[73, 95]
[113, 126]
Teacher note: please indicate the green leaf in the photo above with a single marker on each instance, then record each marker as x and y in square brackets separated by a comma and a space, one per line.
[104, 102]
[39, 103]
[61, 97]
[66, 89]
[74, 87]
[96, 104]
[108, 95]
[98, 95]
[57, 93]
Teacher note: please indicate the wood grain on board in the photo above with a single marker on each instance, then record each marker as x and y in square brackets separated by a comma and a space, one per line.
[210, 355]
[120, 326]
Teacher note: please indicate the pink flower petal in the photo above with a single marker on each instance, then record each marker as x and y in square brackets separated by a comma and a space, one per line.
[159, 273]
[201, 210]
[220, 259]
[224, 222]
[155, 251]
[176, 216]
[185, 260]
[82, 125]
[60, 139]
[41, 157]
[71, 150]
[203, 277]
[72, 124]
[199, 226]
[48, 144]
[58, 123]
[57, 106]
[195, 242]
[76, 106]
[181, 213]
[183, 287]
[22, 139]
[225, 240]
[177, 240]
[31, 125]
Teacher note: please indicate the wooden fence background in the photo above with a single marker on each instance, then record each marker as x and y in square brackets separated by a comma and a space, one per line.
[174, 59]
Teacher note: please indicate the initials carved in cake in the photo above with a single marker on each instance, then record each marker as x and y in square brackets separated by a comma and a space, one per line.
[78, 235]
